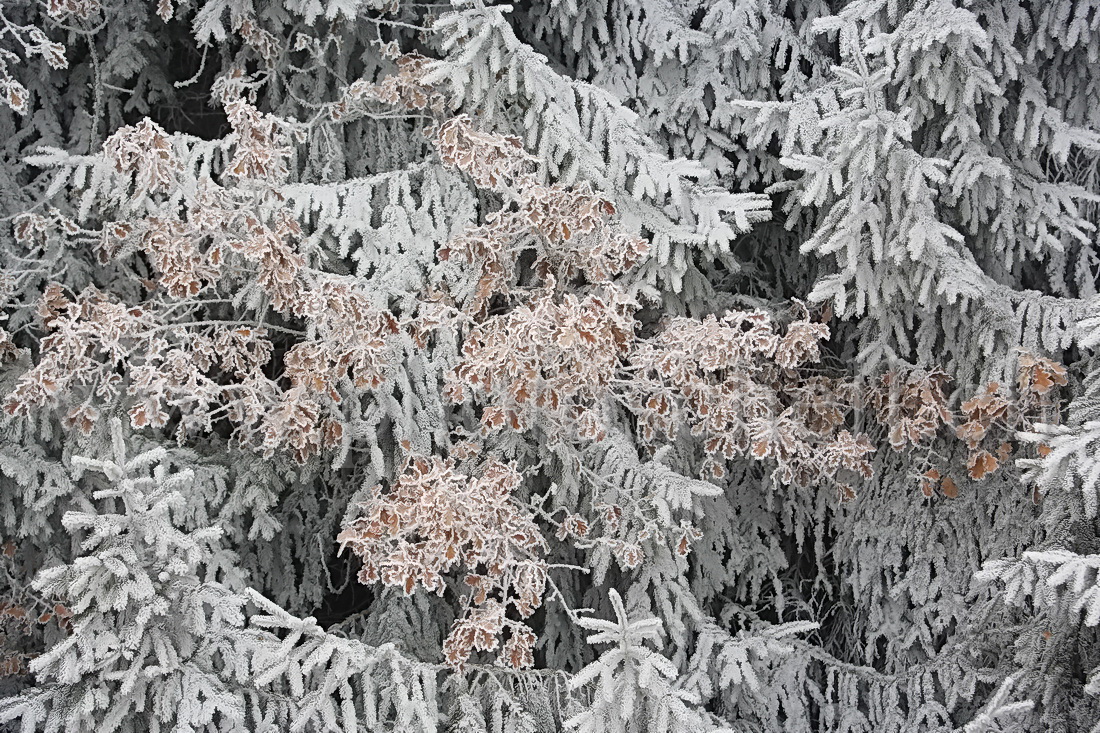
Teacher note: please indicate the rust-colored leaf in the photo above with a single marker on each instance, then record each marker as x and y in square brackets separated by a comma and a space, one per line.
[981, 464]
[950, 490]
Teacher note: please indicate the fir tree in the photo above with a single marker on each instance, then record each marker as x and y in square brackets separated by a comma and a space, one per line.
[638, 366]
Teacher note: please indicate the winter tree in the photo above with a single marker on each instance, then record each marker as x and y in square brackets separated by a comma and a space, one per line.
[677, 365]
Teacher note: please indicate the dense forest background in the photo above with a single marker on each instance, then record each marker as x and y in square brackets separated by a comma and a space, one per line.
[621, 365]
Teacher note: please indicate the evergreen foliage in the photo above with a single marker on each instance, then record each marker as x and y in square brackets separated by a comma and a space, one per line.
[663, 365]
